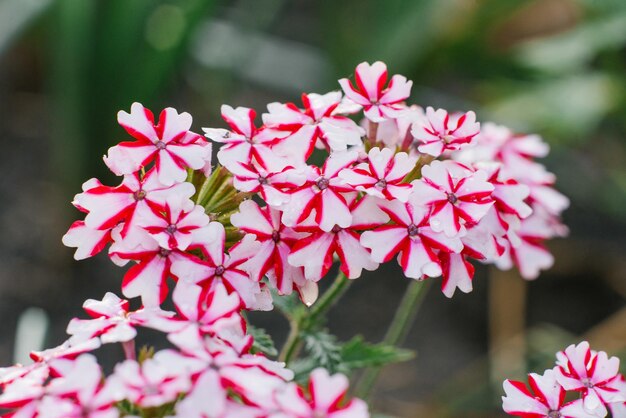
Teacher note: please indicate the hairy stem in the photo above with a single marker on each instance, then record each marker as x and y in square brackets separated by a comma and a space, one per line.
[398, 329]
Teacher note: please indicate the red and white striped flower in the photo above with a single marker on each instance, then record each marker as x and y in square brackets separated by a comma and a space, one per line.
[410, 235]
[548, 399]
[272, 182]
[382, 174]
[83, 386]
[439, 131]
[456, 195]
[323, 193]
[276, 242]
[225, 268]
[379, 102]
[593, 374]
[107, 206]
[315, 253]
[316, 124]
[326, 398]
[244, 143]
[112, 320]
[169, 144]
[87, 241]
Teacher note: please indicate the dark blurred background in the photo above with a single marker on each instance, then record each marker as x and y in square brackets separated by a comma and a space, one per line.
[554, 67]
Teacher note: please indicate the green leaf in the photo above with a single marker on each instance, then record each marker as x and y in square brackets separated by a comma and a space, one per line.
[263, 342]
[324, 350]
[358, 354]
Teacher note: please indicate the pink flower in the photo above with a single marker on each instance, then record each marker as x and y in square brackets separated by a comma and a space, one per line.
[244, 143]
[382, 174]
[323, 194]
[593, 374]
[547, 401]
[457, 273]
[437, 133]
[412, 237]
[379, 103]
[316, 124]
[456, 194]
[169, 144]
[276, 242]
[325, 399]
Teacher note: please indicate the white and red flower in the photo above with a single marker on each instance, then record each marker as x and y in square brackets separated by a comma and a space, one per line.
[410, 235]
[316, 124]
[169, 144]
[382, 174]
[323, 193]
[244, 143]
[548, 399]
[326, 398]
[455, 194]
[593, 374]
[276, 242]
[379, 102]
[439, 131]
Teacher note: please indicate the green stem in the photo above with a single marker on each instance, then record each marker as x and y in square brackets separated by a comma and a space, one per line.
[304, 322]
[398, 329]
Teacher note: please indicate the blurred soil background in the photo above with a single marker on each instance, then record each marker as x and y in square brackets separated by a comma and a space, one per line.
[553, 67]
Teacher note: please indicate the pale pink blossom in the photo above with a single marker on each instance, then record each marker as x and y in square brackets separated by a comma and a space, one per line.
[379, 102]
[169, 144]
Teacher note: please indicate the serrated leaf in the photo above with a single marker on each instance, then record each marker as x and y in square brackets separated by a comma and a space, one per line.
[324, 350]
[263, 342]
[358, 354]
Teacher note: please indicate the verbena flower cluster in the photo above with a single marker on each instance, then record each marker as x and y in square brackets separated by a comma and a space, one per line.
[591, 376]
[315, 183]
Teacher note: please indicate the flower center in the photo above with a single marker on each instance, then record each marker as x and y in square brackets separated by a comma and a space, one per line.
[139, 195]
[276, 236]
[219, 270]
[413, 230]
[159, 144]
[381, 184]
[587, 382]
[554, 414]
[322, 183]
[164, 252]
[263, 180]
[171, 229]
[336, 229]
[452, 198]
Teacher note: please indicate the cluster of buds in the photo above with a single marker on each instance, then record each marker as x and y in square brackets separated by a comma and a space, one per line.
[579, 370]
[430, 187]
